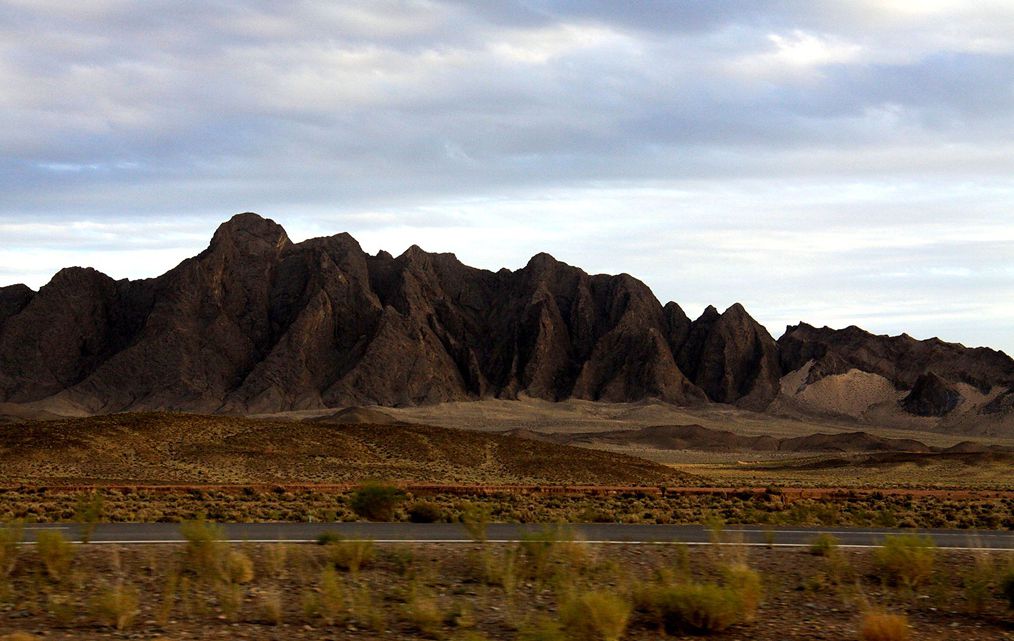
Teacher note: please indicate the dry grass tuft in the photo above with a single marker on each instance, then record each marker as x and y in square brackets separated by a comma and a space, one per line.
[422, 611]
[595, 616]
[880, 626]
[275, 560]
[746, 583]
[906, 560]
[270, 606]
[698, 608]
[55, 551]
[1007, 586]
[10, 539]
[117, 606]
[678, 604]
[205, 550]
[238, 568]
[824, 545]
[350, 555]
[475, 518]
[327, 602]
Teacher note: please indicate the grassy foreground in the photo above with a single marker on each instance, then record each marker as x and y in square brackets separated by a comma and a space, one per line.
[548, 587]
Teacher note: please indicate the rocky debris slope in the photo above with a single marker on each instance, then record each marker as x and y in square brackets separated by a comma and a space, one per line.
[924, 378]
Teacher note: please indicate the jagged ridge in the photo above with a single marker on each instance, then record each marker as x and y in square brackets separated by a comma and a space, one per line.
[258, 323]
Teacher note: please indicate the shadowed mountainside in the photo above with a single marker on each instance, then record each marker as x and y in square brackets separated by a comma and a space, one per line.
[258, 324]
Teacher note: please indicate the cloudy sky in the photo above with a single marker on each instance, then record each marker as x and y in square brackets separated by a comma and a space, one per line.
[836, 162]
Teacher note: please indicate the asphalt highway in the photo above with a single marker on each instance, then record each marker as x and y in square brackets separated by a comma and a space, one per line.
[606, 533]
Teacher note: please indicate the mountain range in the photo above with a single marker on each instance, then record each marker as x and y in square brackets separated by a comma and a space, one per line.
[256, 323]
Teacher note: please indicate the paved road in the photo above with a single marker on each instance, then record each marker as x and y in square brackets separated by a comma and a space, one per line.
[136, 533]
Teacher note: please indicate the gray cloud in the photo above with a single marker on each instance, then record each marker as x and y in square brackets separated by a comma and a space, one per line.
[787, 154]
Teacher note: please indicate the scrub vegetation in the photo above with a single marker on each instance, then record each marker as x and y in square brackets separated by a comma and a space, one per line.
[550, 585]
[476, 508]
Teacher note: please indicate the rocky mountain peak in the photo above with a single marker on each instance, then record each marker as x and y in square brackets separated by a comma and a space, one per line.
[710, 313]
[542, 262]
[250, 233]
[258, 323]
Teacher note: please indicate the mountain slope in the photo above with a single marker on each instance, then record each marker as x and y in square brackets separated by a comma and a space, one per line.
[895, 380]
[258, 324]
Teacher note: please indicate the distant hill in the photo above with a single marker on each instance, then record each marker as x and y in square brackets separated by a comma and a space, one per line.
[258, 324]
[696, 437]
[195, 449]
[355, 416]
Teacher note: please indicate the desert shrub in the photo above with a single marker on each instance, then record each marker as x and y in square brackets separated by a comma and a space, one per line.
[460, 615]
[906, 560]
[677, 604]
[62, 608]
[275, 560]
[328, 602]
[237, 568]
[230, 600]
[542, 629]
[365, 611]
[500, 569]
[55, 551]
[595, 616]
[697, 608]
[475, 518]
[163, 612]
[746, 584]
[422, 611]
[976, 582]
[325, 538]
[682, 561]
[87, 512]
[425, 512]
[576, 556]
[116, 606]
[839, 570]
[350, 555]
[270, 607]
[715, 525]
[1007, 586]
[879, 626]
[376, 501]
[403, 559]
[10, 539]
[204, 551]
[823, 545]
[537, 551]
[595, 514]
